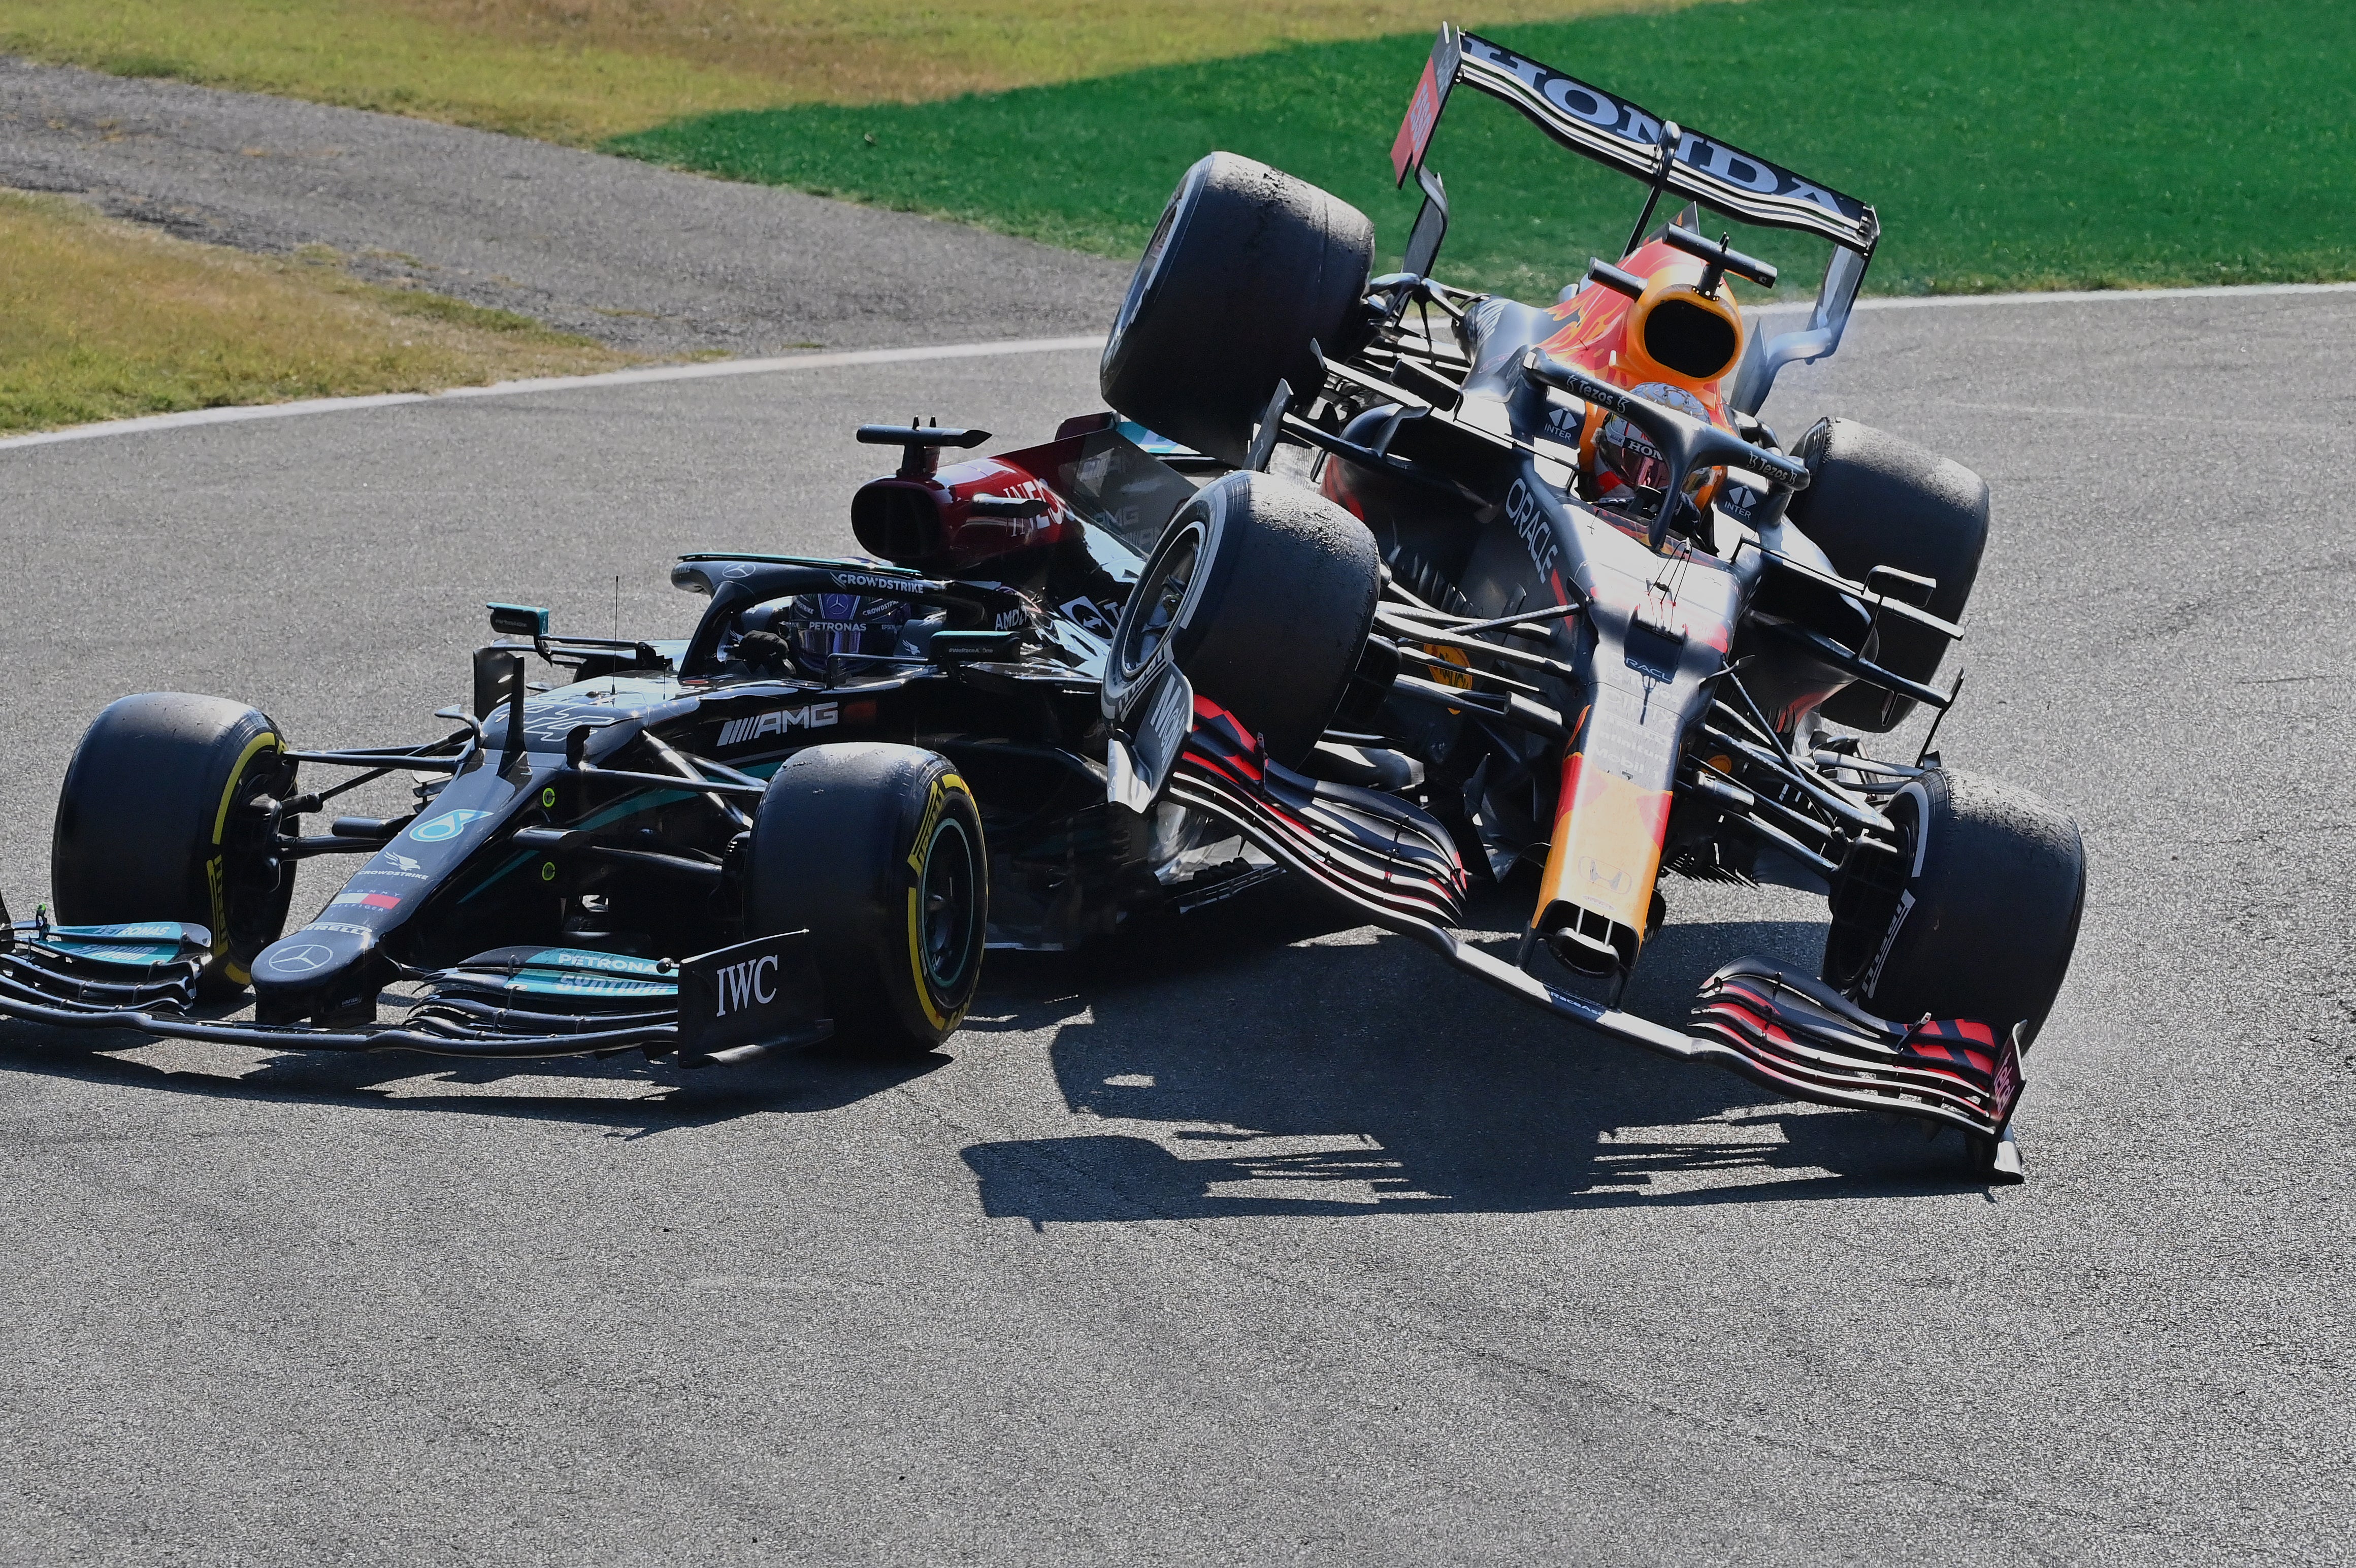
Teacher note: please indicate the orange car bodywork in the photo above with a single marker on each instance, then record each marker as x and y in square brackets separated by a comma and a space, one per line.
[1609, 828]
[1595, 335]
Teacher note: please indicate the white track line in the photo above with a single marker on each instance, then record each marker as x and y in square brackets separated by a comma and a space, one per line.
[1015, 346]
[565, 384]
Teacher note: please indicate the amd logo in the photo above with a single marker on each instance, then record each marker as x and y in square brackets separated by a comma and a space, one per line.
[751, 983]
[776, 721]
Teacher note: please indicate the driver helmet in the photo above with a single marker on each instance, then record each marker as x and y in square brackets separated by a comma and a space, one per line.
[827, 627]
[1627, 465]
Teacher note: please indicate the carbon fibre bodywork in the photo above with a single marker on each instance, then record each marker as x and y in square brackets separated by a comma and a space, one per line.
[571, 880]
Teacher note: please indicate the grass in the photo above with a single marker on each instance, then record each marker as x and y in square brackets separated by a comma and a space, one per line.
[107, 320]
[2007, 143]
[579, 71]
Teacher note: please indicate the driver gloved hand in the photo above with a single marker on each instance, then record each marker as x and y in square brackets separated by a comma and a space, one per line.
[765, 651]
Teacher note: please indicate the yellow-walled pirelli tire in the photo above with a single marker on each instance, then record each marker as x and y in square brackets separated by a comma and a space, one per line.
[877, 852]
[153, 824]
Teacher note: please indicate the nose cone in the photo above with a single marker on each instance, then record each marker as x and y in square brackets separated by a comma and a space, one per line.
[327, 971]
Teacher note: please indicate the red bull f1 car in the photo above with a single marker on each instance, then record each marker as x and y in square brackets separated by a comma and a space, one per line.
[1367, 582]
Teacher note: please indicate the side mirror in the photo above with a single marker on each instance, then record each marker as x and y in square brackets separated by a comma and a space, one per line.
[519, 620]
[499, 682]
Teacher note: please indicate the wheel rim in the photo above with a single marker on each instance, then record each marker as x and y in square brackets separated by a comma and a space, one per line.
[1163, 595]
[950, 906]
[254, 887]
[1148, 266]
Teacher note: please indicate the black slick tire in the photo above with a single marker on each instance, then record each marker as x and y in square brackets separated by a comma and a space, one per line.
[1977, 918]
[877, 852]
[1245, 268]
[1875, 501]
[150, 826]
[1262, 591]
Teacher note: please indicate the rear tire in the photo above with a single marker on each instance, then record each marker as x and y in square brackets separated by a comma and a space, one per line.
[1876, 500]
[1980, 917]
[877, 852]
[148, 826]
[1262, 591]
[1247, 266]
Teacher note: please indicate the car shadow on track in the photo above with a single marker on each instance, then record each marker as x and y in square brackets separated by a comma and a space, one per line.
[628, 1095]
[1354, 1076]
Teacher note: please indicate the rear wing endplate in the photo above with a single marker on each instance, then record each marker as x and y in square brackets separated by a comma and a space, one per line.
[1624, 136]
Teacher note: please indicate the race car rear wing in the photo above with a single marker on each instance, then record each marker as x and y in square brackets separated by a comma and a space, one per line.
[1623, 135]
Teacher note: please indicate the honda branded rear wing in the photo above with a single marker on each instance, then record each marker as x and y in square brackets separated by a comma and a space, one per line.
[1623, 135]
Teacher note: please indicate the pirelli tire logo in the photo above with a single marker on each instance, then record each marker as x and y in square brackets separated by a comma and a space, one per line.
[935, 798]
[1168, 720]
[778, 722]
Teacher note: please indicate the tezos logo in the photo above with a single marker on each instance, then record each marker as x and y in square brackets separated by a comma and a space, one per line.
[445, 827]
[776, 721]
[737, 986]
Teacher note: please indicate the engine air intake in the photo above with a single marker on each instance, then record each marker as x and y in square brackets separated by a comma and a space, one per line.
[1682, 334]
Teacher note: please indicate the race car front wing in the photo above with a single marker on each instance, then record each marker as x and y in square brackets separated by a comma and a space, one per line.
[1790, 1033]
[716, 1009]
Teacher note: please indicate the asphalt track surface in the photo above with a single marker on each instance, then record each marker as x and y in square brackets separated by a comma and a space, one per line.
[1242, 1249]
[648, 259]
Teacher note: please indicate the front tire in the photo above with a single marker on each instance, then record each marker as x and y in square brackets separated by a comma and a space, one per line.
[1247, 267]
[150, 826]
[1980, 916]
[877, 852]
[1875, 501]
[1261, 591]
